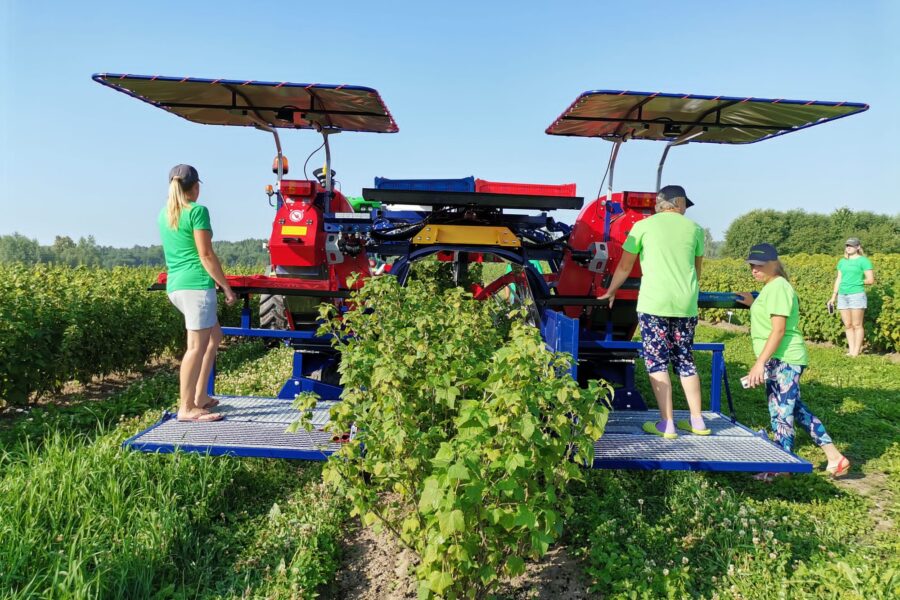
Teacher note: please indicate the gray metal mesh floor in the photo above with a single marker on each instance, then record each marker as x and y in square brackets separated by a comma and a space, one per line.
[256, 427]
[252, 427]
[730, 447]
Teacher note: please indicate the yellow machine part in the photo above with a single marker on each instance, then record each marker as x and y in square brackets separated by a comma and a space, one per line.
[472, 235]
[293, 230]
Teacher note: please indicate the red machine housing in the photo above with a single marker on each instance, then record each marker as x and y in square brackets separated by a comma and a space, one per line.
[608, 221]
[298, 237]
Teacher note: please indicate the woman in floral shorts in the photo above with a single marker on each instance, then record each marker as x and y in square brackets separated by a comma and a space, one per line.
[670, 247]
[782, 357]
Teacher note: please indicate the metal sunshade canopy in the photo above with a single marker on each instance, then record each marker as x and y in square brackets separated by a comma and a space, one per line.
[622, 115]
[254, 103]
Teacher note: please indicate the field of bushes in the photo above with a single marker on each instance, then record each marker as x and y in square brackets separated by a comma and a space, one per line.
[813, 278]
[62, 323]
[466, 463]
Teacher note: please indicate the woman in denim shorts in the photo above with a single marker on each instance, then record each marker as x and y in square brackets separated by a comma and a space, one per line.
[854, 271]
[193, 270]
[781, 357]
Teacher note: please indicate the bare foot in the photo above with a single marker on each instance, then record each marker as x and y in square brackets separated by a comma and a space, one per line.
[205, 401]
[199, 415]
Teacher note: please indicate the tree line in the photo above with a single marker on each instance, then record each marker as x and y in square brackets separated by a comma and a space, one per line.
[800, 232]
[17, 248]
[792, 232]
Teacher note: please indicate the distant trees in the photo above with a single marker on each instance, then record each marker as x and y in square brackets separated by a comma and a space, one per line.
[796, 231]
[792, 232]
[17, 248]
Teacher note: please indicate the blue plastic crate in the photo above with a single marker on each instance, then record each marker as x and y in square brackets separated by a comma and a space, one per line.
[466, 184]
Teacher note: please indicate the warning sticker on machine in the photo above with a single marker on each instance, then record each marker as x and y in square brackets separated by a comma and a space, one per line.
[293, 230]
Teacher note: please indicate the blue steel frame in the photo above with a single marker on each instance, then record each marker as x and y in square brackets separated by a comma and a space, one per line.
[561, 334]
[298, 382]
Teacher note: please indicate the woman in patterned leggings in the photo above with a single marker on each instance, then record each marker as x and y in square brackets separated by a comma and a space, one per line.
[782, 357]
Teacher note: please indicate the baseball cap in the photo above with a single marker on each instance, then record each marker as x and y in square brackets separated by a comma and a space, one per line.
[761, 254]
[186, 173]
[852, 242]
[671, 192]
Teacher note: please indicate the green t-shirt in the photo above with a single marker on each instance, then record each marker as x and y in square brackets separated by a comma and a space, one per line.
[667, 243]
[852, 274]
[778, 298]
[185, 271]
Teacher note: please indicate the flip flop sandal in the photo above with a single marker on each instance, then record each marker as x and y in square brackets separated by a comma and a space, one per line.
[650, 427]
[204, 418]
[685, 425]
[840, 469]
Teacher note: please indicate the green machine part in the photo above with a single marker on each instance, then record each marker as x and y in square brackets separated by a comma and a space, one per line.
[360, 204]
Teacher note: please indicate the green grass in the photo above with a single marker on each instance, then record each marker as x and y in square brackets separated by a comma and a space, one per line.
[677, 534]
[81, 518]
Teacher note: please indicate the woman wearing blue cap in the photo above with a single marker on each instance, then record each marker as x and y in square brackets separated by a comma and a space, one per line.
[193, 270]
[781, 357]
[854, 271]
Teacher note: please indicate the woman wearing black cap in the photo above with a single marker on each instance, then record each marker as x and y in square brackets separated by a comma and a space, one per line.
[781, 357]
[853, 272]
[193, 270]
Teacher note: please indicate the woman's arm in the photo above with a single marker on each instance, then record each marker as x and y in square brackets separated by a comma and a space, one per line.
[868, 277]
[757, 374]
[203, 239]
[837, 285]
[623, 270]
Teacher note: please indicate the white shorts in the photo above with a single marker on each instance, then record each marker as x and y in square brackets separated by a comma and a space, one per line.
[856, 301]
[197, 306]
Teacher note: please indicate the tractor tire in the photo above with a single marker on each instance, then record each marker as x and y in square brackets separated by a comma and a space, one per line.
[272, 312]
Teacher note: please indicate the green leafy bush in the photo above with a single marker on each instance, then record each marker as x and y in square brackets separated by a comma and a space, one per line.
[469, 431]
[59, 324]
[813, 278]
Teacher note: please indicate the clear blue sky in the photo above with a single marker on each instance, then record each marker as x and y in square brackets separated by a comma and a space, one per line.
[472, 86]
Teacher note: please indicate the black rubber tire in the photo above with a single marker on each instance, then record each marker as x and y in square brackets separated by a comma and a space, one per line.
[272, 314]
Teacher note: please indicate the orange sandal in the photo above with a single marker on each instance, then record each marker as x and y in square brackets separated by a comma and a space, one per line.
[840, 469]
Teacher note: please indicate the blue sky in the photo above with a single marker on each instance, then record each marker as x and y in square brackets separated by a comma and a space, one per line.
[472, 86]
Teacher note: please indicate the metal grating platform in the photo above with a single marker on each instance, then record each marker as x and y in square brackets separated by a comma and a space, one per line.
[730, 447]
[256, 427]
[252, 427]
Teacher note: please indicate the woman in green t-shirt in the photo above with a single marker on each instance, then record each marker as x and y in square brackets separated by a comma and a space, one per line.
[854, 271]
[781, 357]
[193, 270]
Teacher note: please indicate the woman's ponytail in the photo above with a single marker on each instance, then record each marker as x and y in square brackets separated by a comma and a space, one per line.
[177, 202]
[779, 270]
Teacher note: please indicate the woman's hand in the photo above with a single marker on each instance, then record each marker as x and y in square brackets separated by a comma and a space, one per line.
[757, 375]
[745, 298]
[230, 297]
[609, 297]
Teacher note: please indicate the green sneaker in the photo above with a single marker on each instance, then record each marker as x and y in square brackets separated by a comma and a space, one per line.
[685, 425]
[650, 427]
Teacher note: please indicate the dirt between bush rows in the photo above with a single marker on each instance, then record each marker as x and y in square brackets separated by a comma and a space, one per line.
[873, 486]
[98, 388]
[376, 567]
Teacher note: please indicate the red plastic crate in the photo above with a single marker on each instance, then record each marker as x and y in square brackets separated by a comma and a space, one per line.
[526, 189]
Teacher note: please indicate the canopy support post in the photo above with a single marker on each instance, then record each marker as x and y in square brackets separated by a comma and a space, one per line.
[612, 167]
[682, 139]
